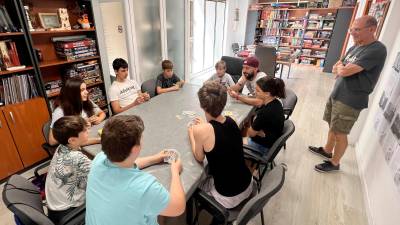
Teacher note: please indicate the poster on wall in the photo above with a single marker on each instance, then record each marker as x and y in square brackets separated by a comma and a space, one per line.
[387, 122]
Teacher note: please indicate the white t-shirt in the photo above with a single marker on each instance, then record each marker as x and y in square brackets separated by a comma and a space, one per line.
[66, 179]
[125, 92]
[58, 113]
[225, 80]
[251, 84]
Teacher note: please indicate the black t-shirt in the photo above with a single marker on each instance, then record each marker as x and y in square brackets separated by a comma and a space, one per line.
[226, 159]
[270, 119]
[167, 82]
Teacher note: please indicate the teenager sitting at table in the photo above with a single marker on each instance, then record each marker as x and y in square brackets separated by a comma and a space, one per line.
[219, 140]
[74, 101]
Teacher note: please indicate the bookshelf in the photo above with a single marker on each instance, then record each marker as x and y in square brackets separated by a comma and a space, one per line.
[20, 94]
[58, 60]
[304, 32]
[24, 104]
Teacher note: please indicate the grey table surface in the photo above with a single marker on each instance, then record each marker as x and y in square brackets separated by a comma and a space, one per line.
[166, 127]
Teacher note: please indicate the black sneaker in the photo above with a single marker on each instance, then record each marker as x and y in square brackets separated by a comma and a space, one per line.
[327, 167]
[320, 151]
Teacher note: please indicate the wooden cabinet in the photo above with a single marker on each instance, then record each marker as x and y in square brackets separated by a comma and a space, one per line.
[25, 123]
[10, 161]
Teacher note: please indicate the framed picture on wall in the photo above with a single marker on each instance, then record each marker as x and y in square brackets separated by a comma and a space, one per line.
[49, 20]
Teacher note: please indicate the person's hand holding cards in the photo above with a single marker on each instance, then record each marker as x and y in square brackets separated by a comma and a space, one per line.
[171, 155]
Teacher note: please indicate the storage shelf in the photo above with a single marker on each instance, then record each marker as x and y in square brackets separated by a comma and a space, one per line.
[5, 72]
[62, 31]
[325, 39]
[57, 62]
[316, 49]
[313, 56]
[54, 94]
[11, 34]
[283, 28]
[317, 20]
[313, 29]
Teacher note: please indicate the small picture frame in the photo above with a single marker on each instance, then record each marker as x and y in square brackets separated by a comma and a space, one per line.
[49, 20]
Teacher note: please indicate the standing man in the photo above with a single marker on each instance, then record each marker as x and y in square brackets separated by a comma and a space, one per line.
[250, 75]
[356, 76]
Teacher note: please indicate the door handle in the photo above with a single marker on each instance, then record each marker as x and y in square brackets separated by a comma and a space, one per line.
[12, 117]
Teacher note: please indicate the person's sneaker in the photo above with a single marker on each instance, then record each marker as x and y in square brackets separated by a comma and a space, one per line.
[320, 151]
[327, 167]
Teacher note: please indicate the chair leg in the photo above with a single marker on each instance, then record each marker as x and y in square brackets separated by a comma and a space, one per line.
[284, 146]
[262, 217]
[290, 66]
[280, 75]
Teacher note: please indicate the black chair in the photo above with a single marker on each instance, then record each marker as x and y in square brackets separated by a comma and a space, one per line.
[50, 149]
[234, 66]
[23, 199]
[149, 86]
[289, 103]
[267, 57]
[248, 209]
[263, 162]
[236, 48]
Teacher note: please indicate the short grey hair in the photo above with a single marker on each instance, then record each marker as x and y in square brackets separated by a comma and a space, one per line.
[371, 22]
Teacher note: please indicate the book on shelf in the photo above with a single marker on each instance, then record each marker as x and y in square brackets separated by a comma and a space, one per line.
[17, 89]
[97, 96]
[9, 59]
[74, 47]
[89, 71]
[53, 87]
[6, 24]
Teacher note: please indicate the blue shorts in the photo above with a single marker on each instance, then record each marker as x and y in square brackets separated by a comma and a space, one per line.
[259, 148]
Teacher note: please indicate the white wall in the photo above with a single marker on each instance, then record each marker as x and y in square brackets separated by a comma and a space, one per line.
[115, 41]
[382, 199]
[235, 31]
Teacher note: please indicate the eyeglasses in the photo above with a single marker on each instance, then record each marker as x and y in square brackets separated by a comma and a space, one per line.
[352, 30]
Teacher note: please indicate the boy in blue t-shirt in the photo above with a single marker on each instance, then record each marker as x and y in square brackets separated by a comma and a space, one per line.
[118, 192]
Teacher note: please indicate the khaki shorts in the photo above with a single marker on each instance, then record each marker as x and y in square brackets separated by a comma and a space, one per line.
[340, 117]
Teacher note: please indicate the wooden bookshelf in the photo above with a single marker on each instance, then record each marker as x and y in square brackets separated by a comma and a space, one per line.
[6, 72]
[55, 94]
[67, 32]
[292, 25]
[57, 62]
[313, 56]
[11, 34]
[325, 39]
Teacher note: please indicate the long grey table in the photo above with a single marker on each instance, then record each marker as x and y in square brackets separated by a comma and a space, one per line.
[166, 127]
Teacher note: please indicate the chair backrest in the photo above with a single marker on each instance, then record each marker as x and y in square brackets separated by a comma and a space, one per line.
[149, 86]
[271, 185]
[288, 130]
[46, 130]
[23, 199]
[267, 57]
[289, 103]
[234, 66]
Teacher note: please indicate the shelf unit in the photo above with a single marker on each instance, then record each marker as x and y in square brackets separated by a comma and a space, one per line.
[300, 32]
[53, 68]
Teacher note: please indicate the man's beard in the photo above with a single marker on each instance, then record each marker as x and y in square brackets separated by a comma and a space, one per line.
[249, 76]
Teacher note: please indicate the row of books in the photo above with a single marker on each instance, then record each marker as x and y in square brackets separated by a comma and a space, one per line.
[6, 24]
[317, 34]
[17, 89]
[89, 71]
[75, 47]
[274, 14]
[9, 59]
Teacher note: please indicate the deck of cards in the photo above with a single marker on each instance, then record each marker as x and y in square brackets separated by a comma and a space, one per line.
[173, 155]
